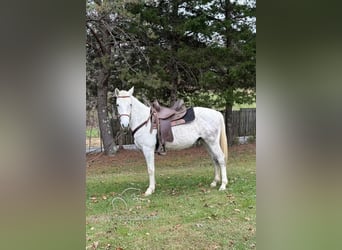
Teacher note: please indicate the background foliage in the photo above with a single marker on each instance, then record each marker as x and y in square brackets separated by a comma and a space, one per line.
[201, 50]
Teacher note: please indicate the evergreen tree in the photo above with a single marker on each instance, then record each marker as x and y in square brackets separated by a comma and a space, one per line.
[204, 50]
[201, 50]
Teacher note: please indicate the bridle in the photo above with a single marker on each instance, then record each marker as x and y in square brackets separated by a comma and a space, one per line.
[152, 113]
[124, 96]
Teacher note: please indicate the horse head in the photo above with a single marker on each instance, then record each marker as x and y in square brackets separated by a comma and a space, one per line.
[124, 106]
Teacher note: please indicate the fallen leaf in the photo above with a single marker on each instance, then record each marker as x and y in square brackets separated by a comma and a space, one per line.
[95, 245]
[154, 213]
[250, 228]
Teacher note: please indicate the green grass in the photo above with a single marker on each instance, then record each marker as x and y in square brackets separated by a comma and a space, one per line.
[93, 132]
[240, 106]
[183, 213]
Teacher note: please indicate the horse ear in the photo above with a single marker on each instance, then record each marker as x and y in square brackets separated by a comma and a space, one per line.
[116, 92]
[131, 91]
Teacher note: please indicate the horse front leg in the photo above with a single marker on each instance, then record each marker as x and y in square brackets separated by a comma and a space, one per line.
[149, 157]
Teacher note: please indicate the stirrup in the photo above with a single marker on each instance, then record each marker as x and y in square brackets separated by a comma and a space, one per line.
[161, 150]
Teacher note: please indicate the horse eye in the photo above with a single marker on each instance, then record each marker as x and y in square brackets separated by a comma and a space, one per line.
[117, 105]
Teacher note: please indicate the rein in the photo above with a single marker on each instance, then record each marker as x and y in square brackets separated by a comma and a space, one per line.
[152, 113]
[144, 123]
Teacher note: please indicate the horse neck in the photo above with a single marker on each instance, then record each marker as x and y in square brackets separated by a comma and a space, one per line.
[140, 112]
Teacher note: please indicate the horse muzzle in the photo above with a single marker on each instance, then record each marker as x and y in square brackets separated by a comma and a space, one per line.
[124, 121]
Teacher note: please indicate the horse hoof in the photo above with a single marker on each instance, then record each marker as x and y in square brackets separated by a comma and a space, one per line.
[213, 184]
[148, 192]
[222, 188]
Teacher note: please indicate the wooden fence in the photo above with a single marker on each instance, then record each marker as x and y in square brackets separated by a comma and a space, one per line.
[244, 124]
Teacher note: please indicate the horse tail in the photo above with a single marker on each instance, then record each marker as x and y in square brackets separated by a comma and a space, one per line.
[223, 140]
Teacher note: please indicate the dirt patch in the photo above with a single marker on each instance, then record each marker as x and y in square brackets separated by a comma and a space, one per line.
[135, 157]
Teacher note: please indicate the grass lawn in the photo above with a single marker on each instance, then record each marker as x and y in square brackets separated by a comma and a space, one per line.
[241, 106]
[183, 213]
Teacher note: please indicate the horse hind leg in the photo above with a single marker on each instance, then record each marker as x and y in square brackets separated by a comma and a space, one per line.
[224, 175]
[220, 164]
[217, 175]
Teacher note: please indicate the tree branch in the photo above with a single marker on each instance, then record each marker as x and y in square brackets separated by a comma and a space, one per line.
[103, 51]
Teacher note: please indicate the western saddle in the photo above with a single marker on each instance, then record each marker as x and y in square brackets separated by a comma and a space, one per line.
[164, 118]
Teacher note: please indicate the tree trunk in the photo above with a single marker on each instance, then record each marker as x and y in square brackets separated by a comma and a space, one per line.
[229, 123]
[104, 120]
[174, 41]
[175, 83]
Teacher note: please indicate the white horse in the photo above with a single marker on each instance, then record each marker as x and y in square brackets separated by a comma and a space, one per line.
[208, 125]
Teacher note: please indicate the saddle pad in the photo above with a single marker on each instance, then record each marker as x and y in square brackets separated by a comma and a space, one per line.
[190, 115]
[166, 132]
